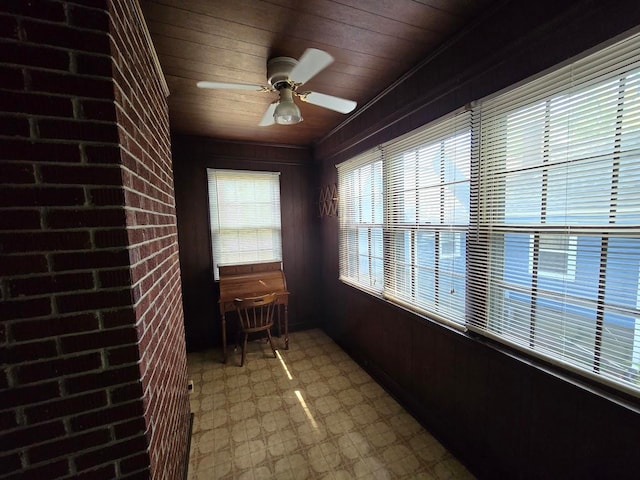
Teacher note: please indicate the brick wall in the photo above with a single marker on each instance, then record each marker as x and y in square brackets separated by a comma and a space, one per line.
[93, 383]
[152, 238]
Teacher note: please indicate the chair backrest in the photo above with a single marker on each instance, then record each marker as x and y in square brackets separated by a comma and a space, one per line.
[256, 313]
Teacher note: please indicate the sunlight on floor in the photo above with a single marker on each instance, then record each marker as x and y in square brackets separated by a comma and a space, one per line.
[311, 414]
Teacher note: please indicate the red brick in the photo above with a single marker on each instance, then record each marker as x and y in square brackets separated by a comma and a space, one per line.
[128, 429]
[64, 36]
[20, 219]
[12, 173]
[34, 56]
[24, 395]
[12, 78]
[24, 436]
[53, 327]
[8, 28]
[44, 241]
[90, 260]
[110, 453]
[35, 104]
[11, 463]
[4, 379]
[52, 470]
[94, 65]
[65, 83]
[134, 463]
[123, 355]
[78, 130]
[22, 264]
[115, 278]
[81, 175]
[51, 284]
[145, 340]
[108, 196]
[98, 380]
[39, 151]
[126, 393]
[29, 352]
[110, 155]
[107, 416]
[98, 110]
[142, 475]
[111, 238]
[65, 407]
[12, 126]
[85, 217]
[40, 196]
[93, 300]
[36, 9]
[8, 420]
[34, 372]
[88, 18]
[119, 318]
[106, 472]
[100, 4]
[38, 307]
[68, 445]
[96, 340]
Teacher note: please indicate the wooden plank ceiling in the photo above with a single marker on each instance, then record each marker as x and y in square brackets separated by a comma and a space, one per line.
[373, 43]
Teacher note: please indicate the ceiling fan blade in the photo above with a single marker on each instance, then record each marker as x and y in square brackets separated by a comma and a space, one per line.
[267, 118]
[337, 104]
[231, 86]
[311, 63]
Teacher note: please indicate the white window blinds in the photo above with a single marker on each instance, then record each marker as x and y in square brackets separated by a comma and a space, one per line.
[555, 248]
[520, 221]
[404, 212]
[244, 208]
[360, 191]
[427, 180]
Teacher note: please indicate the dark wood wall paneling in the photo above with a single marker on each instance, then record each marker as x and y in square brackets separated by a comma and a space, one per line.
[504, 415]
[300, 243]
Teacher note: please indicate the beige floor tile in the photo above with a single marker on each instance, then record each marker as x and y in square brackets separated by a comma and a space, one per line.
[312, 413]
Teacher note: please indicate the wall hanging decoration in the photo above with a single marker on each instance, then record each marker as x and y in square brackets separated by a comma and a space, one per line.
[329, 201]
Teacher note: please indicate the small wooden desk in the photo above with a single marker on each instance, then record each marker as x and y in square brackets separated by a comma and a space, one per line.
[252, 280]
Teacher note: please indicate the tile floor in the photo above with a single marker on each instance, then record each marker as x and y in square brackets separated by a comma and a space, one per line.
[312, 413]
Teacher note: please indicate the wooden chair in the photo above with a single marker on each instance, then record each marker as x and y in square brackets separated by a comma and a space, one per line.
[256, 315]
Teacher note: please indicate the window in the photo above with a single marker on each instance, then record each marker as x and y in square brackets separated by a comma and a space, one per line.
[427, 181]
[413, 250]
[244, 209]
[360, 188]
[519, 221]
[556, 243]
[553, 256]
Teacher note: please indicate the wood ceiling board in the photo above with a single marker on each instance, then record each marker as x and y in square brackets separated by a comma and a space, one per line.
[408, 21]
[373, 42]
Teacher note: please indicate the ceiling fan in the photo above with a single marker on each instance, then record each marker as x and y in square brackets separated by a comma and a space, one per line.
[285, 75]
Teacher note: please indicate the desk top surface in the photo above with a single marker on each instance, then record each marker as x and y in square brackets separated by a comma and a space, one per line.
[252, 280]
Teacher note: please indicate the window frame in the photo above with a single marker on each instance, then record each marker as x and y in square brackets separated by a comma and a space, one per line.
[485, 237]
[351, 221]
[390, 155]
[266, 208]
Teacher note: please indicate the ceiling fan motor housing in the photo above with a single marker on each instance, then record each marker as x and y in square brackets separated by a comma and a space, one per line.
[278, 71]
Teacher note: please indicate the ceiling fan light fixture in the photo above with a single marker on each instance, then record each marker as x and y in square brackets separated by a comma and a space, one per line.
[287, 112]
[285, 75]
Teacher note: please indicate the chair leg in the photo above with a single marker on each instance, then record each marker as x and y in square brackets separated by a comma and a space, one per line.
[271, 343]
[244, 349]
